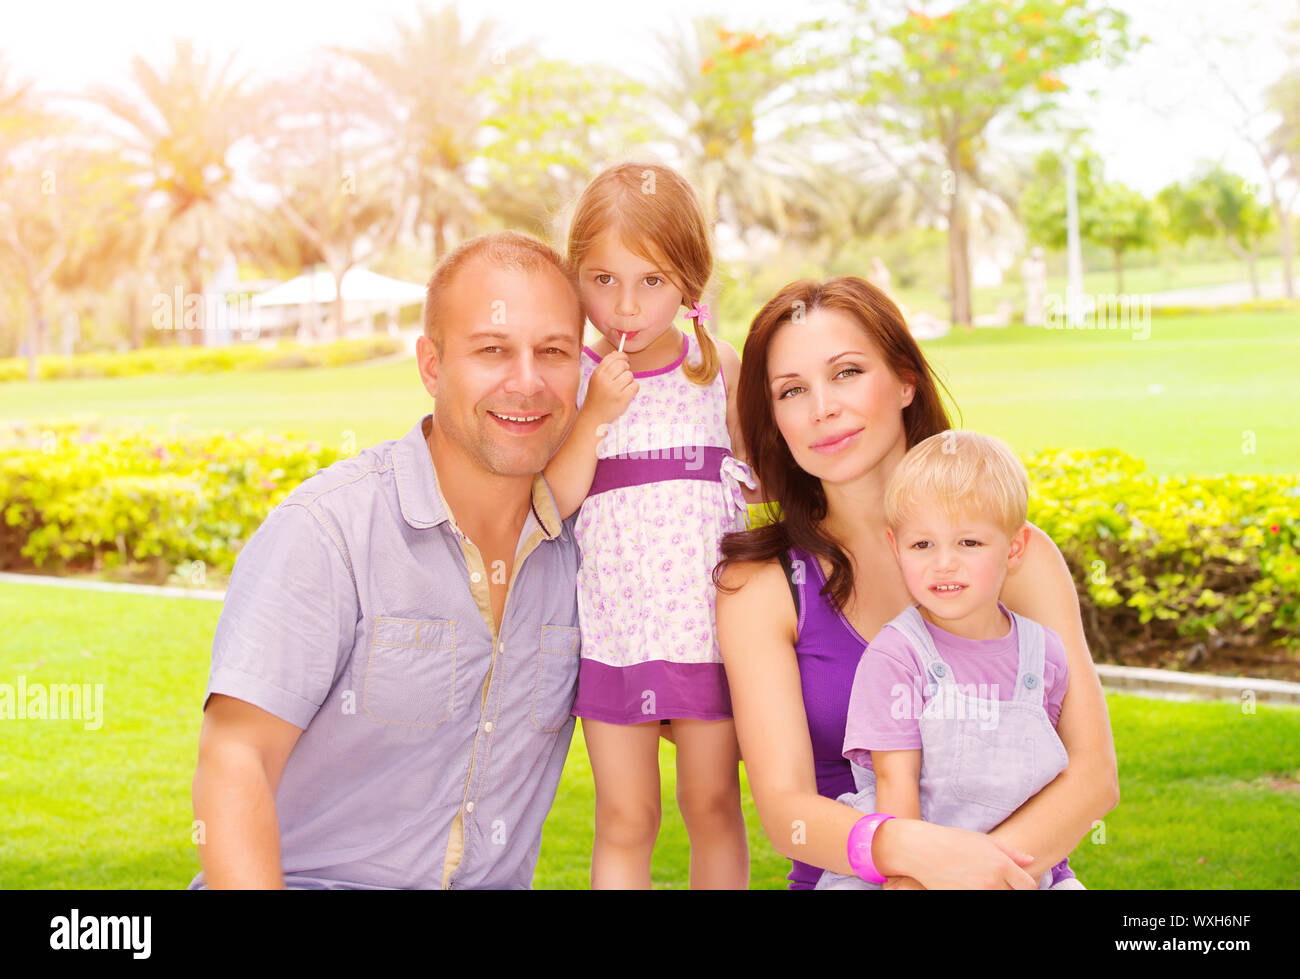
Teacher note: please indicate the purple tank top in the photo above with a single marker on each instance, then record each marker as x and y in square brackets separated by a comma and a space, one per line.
[828, 650]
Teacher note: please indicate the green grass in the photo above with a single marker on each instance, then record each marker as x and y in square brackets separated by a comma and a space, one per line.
[1181, 400]
[110, 808]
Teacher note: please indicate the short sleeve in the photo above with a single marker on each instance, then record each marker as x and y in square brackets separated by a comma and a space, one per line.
[289, 619]
[1056, 674]
[885, 704]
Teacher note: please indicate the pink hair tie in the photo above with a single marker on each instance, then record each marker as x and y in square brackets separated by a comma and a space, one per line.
[699, 313]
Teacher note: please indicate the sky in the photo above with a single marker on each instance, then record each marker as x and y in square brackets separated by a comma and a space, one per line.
[1154, 120]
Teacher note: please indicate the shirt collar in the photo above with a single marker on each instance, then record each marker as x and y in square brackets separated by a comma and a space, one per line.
[422, 503]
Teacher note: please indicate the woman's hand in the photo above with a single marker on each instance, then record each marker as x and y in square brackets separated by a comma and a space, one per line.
[943, 858]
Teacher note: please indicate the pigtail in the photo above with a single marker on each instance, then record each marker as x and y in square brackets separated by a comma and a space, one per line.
[707, 369]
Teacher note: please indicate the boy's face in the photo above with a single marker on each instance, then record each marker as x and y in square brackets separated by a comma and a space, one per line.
[955, 568]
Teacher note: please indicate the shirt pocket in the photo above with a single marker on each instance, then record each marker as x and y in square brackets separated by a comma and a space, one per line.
[411, 672]
[555, 680]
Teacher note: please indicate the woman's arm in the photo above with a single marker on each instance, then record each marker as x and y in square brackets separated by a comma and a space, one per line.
[1051, 824]
[756, 630]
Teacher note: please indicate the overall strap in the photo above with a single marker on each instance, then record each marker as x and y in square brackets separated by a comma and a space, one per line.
[911, 625]
[1030, 688]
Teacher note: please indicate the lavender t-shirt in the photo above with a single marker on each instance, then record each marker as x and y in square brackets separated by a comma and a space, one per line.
[888, 687]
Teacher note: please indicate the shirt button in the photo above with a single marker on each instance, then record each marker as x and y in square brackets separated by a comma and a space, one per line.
[487, 727]
[469, 807]
[475, 577]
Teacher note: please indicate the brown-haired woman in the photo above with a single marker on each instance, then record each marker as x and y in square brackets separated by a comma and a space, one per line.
[833, 390]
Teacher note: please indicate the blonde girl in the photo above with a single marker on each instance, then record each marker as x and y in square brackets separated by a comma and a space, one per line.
[650, 462]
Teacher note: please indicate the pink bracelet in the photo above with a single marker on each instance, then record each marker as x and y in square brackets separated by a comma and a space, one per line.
[861, 837]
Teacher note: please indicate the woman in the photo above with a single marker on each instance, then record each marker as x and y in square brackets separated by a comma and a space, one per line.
[833, 391]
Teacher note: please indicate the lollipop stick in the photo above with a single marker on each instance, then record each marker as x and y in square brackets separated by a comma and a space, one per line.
[622, 339]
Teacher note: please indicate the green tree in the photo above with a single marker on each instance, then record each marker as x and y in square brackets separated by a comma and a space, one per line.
[715, 87]
[337, 179]
[1120, 219]
[926, 89]
[551, 127]
[1042, 201]
[178, 129]
[433, 70]
[1218, 204]
[1280, 155]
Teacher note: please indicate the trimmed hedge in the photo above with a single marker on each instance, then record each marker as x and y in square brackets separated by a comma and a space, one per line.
[1174, 570]
[147, 506]
[203, 360]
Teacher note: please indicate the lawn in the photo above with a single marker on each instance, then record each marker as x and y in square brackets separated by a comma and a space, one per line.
[1210, 794]
[1190, 399]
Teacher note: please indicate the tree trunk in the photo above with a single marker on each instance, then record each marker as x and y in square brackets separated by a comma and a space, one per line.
[336, 307]
[1119, 271]
[1254, 276]
[958, 257]
[439, 234]
[1284, 226]
[33, 339]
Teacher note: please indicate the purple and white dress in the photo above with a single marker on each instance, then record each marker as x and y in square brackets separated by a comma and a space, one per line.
[666, 490]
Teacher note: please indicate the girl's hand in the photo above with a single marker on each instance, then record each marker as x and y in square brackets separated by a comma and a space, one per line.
[944, 858]
[611, 388]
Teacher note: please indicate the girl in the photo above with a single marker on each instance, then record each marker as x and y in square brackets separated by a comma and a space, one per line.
[953, 713]
[650, 462]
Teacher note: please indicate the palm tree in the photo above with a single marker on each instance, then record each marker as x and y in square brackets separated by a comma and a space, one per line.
[434, 69]
[179, 129]
[712, 91]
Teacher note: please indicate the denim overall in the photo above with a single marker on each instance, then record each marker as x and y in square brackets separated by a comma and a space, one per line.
[981, 759]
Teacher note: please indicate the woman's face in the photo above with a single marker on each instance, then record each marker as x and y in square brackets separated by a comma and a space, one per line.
[835, 400]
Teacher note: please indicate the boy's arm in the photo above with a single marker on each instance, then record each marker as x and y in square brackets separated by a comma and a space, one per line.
[898, 782]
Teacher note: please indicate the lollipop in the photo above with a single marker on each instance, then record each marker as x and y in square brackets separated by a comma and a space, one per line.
[622, 338]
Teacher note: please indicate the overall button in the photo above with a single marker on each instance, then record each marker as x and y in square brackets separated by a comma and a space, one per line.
[1031, 681]
[939, 670]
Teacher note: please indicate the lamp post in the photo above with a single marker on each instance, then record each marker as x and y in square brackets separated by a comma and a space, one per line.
[1074, 248]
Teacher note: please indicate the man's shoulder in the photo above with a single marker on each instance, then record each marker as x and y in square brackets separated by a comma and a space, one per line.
[348, 485]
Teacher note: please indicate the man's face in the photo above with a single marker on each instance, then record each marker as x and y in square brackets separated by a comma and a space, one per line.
[505, 385]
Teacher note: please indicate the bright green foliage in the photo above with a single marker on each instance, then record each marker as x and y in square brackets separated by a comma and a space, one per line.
[148, 504]
[939, 81]
[1218, 203]
[204, 360]
[1163, 562]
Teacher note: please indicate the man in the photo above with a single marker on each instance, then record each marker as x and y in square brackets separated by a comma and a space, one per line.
[396, 660]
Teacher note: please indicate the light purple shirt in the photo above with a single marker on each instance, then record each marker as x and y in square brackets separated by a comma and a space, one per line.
[888, 688]
[431, 749]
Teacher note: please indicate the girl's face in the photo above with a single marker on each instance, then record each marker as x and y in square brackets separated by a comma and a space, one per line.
[835, 399]
[626, 294]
